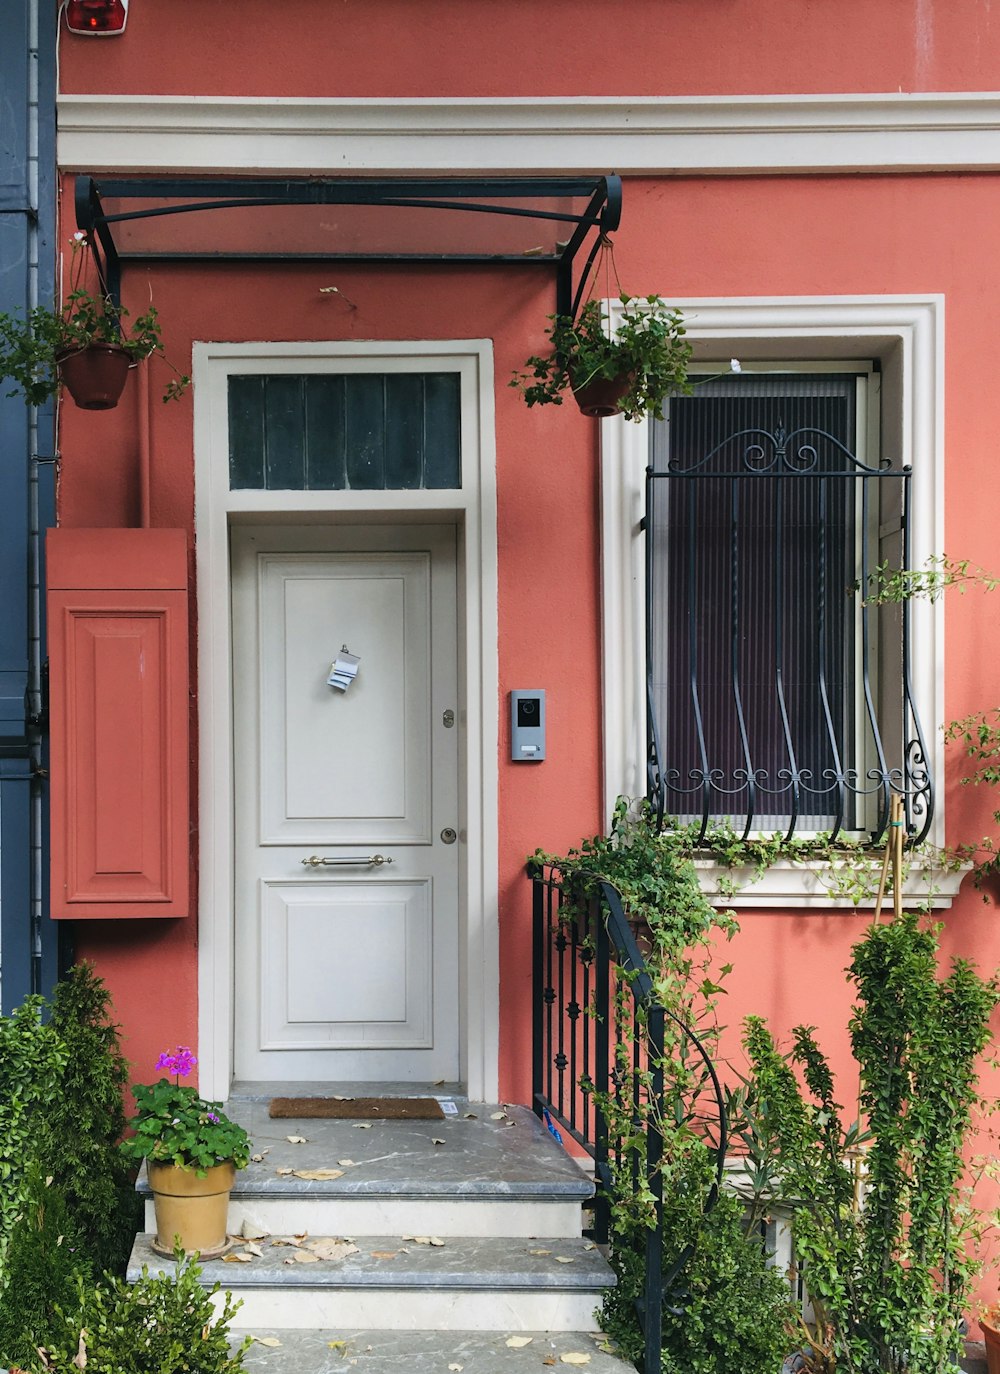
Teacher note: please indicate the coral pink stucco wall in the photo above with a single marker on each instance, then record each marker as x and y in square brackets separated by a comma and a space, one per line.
[562, 47]
[720, 237]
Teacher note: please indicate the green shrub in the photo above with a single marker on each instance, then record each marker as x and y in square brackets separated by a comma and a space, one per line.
[44, 1259]
[67, 1204]
[729, 1310]
[162, 1324]
[88, 1121]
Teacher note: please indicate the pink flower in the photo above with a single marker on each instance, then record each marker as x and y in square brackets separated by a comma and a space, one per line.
[179, 1063]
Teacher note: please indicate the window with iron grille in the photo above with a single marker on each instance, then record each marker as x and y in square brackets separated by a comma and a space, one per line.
[779, 696]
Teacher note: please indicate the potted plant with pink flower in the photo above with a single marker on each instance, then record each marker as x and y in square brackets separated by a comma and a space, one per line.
[192, 1151]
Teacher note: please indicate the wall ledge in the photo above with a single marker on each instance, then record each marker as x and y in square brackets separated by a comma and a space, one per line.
[634, 135]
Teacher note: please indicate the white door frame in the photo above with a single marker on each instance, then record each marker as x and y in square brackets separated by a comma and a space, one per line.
[472, 508]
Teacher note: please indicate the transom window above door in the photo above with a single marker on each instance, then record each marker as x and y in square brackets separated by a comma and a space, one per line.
[357, 431]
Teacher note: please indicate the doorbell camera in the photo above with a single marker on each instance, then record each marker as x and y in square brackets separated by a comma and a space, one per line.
[527, 726]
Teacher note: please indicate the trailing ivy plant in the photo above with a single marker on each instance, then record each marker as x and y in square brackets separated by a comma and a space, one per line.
[979, 732]
[723, 1302]
[878, 1225]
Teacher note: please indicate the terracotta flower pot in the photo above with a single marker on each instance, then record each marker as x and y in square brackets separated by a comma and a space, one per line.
[95, 376]
[194, 1209]
[598, 399]
[991, 1335]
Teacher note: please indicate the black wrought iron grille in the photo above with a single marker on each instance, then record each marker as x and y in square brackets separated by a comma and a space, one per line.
[779, 695]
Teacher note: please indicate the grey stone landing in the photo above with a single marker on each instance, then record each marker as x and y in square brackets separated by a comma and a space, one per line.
[460, 1231]
[350, 1351]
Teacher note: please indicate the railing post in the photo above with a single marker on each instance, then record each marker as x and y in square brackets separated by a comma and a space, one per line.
[602, 1082]
[537, 990]
[653, 1288]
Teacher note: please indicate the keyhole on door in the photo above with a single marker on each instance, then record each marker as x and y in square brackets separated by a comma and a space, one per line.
[448, 835]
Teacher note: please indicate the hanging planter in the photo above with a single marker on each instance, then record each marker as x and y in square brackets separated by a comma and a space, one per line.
[624, 364]
[95, 376]
[601, 397]
[87, 333]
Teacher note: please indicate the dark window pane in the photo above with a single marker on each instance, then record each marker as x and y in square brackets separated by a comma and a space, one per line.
[443, 432]
[337, 432]
[326, 463]
[246, 433]
[284, 428]
[404, 431]
[753, 545]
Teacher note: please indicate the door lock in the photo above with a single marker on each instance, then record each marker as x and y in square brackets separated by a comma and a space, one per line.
[448, 835]
[448, 719]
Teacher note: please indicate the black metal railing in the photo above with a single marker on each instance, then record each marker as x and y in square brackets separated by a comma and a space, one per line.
[600, 1036]
[779, 690]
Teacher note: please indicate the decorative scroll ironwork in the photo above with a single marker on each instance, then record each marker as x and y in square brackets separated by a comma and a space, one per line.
[598, 1035]
[778, 697]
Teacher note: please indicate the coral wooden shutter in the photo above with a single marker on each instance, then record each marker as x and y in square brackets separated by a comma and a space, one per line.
[118, 657]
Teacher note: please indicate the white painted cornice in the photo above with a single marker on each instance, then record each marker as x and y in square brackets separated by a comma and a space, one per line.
[630, 135]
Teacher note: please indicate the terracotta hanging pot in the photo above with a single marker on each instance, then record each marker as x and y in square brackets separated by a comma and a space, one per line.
[192, 1208]
[599, 398]
[95, 376]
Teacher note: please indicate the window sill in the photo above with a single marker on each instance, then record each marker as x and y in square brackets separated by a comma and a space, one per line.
[826, 885]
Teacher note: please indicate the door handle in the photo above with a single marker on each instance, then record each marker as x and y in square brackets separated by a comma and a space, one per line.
[372, 861]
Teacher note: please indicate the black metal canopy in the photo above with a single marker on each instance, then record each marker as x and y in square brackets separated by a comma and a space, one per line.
[542, 220]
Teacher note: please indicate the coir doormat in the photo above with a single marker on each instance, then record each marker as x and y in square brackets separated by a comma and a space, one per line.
[358, 1108]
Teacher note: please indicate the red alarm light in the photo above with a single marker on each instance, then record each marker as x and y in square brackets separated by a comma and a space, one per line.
[99, 17]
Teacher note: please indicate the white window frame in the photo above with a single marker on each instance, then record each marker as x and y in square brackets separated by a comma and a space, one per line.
[906, 335]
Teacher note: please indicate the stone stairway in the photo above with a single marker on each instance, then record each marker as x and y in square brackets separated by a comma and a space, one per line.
[467, 1232]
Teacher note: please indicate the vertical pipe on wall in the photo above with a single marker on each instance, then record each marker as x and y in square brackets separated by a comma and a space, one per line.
[145, 444]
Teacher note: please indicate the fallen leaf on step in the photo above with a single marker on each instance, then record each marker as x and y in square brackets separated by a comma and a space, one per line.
[271, 1342]
[251, 1232]
[471, 1116]
[564, 1259]
[336, 1345]
[313, 1174]
[347, 1163]
[383, 1254]
[498, 1116]
[331, 1248]
[362, 1125]
[237, 1258]
[455, 1368]
[296, 1140]
[302, 1257]
[436, 1140]
[282, 1172]
[576, 1357]
[256, 1159]
[284, 1240]
[539, 1252]
[436, 1240]
[438, 1083]
[590, 1245]
[549, 1359]
[254, 1249]
[519, 1342]
[339, 1097]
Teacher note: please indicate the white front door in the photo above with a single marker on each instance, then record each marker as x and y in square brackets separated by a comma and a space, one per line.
[346, 804]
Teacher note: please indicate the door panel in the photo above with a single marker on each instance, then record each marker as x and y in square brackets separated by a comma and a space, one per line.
[377, 733]
[346, 896]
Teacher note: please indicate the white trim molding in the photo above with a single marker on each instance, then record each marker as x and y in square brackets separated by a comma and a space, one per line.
[906, 335]
[632, 135]
[472, 509]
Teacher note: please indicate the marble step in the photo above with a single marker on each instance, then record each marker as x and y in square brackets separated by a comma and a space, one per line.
[395, 1283]
[345, 1350]
[487, 1170]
